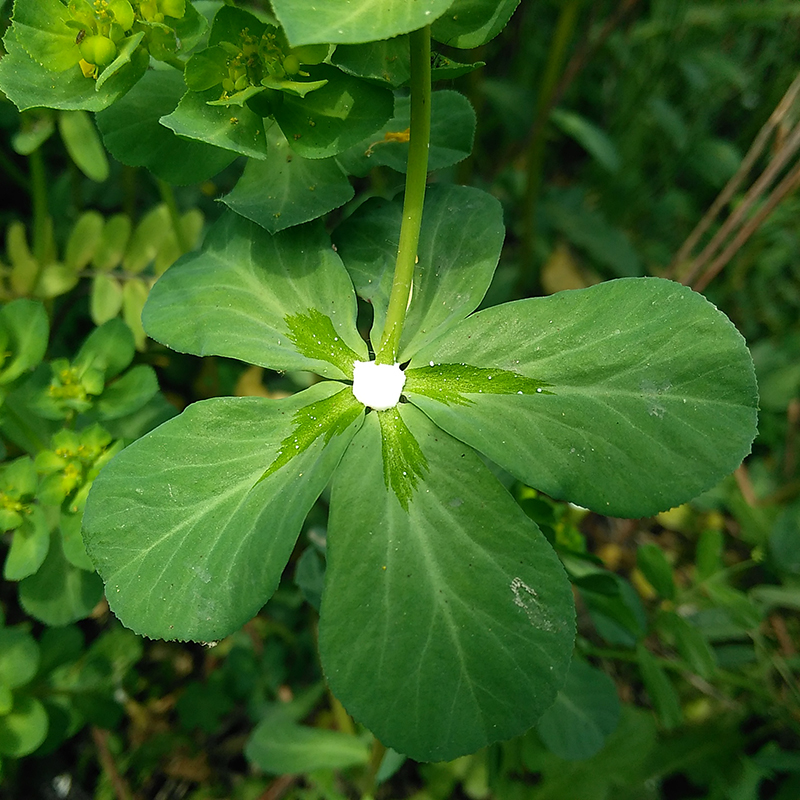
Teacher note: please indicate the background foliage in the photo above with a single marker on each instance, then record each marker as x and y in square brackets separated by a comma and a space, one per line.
[684, 682]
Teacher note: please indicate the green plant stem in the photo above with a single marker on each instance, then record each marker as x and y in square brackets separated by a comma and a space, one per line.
[14, 172]
[40, 210]
[565, 28]
[168, 196]
[344, 722]
[416, 178]
[375, 759]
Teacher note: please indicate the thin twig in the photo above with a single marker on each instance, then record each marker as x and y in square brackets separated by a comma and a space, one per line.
[122, 790]
[783, 636]
[745, 486]
[551, 93]
[792, 428]
[762, 183]
[278, 788]
[586, 49]
[759, 143]
[782, 190]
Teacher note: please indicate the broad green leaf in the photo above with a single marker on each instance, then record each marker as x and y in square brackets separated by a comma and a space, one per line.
[112, 243]
[452, 134]
[146, 240]
[585, 713]
[105, 299]
[25, 329]
[283, 749]
[72, 541]
[83, 144]
[618, 617]
[83, 240]
[286, 189]
[660, 689]
[30, 85]
[108, 349]
[19, 657]
[134, 296]
[249, 295]
[59, 593]
[309, 575]
[193, 25]
[133, 134]
[650, 394]
[708, 557]
[24, 266]
[388, 61]
[353, 21]
[329, 120]
[24, 728]
[206, 69]
[453, 272]
[34, 131]
[625, 761]
[28, 547]
[455, 607]
[653, 563]
[472, 23]
[55, 280]
[186, 529]
[41, 28]
[239, 130]
[128, 393]
[230, 21]
[589, 136]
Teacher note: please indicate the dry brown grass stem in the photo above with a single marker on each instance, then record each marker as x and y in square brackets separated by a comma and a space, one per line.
[739, 226]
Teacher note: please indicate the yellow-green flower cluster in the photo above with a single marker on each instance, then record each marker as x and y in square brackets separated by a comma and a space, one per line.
[72, 464]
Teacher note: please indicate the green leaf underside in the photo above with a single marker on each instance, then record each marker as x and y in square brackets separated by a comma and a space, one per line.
[314, 336]
[388, 60]
[328, 417]
[403, 461]
[19, 657]
[653, 396]
[41, 28]
[134, 135]
[585, 713]
[456, 607]
[188, 537]
[25, 328]
[24, 728]
[284, 748]
[286, 189]
[59, 593]
[241, 131]
[452, 274]
[240, 292]
[28, 547]
[451, 383]
[472, 23]
[334, 117]
[453, 124]
[348, 22]
[30, 85]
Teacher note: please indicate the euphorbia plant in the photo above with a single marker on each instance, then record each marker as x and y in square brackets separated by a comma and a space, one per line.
[447, 620]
